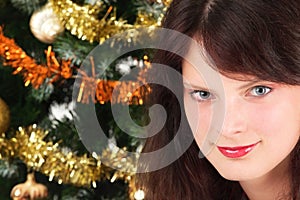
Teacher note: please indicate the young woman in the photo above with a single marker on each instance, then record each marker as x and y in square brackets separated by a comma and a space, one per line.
[254, 47]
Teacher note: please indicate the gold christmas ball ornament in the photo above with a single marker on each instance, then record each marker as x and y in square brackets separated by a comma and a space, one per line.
[4, 116]
[29, 190]
[45, 24]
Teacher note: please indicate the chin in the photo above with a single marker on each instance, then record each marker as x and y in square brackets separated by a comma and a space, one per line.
[239, 175]
[232, 176]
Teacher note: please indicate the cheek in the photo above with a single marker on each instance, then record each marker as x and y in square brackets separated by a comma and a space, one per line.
[278, 119]
[191, 112]
[278, 126]
[199, 118]
[260, 119]
[205, 125]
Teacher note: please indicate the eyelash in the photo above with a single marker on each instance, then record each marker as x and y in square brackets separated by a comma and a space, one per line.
[195, 94]
[266, 90]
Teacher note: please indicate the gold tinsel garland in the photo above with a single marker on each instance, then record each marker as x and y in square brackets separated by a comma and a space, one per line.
[83, 21]
[90, 88]
[65, 167]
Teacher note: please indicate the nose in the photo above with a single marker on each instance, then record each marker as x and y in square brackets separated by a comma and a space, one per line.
[235, 118]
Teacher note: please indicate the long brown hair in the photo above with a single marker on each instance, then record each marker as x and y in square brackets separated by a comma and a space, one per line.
[253, 37]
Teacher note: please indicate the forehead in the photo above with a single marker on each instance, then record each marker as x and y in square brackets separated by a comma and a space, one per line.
[201, 76]
[196, 63]
[198, 66]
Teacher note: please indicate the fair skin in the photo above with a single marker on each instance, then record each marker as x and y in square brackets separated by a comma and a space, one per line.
[259, 129]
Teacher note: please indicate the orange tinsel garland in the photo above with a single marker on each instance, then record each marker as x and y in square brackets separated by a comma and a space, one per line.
[90, 88]
[33, 73]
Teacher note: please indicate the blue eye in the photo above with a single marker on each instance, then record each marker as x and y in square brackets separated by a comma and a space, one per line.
[260, 90]
[201, 95]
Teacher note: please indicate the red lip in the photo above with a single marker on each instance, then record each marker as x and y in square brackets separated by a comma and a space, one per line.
[236, 152]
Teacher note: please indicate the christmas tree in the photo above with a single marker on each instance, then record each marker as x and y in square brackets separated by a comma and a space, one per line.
[53, 83]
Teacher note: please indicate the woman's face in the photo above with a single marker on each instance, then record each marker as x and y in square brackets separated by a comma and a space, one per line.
[260, 123]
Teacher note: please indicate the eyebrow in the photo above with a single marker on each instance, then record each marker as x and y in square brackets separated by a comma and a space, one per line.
[249, 83]
[197, 87]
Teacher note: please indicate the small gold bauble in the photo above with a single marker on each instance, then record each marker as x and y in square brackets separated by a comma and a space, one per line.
[29, 189]
[4, 116]
[45, 24]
